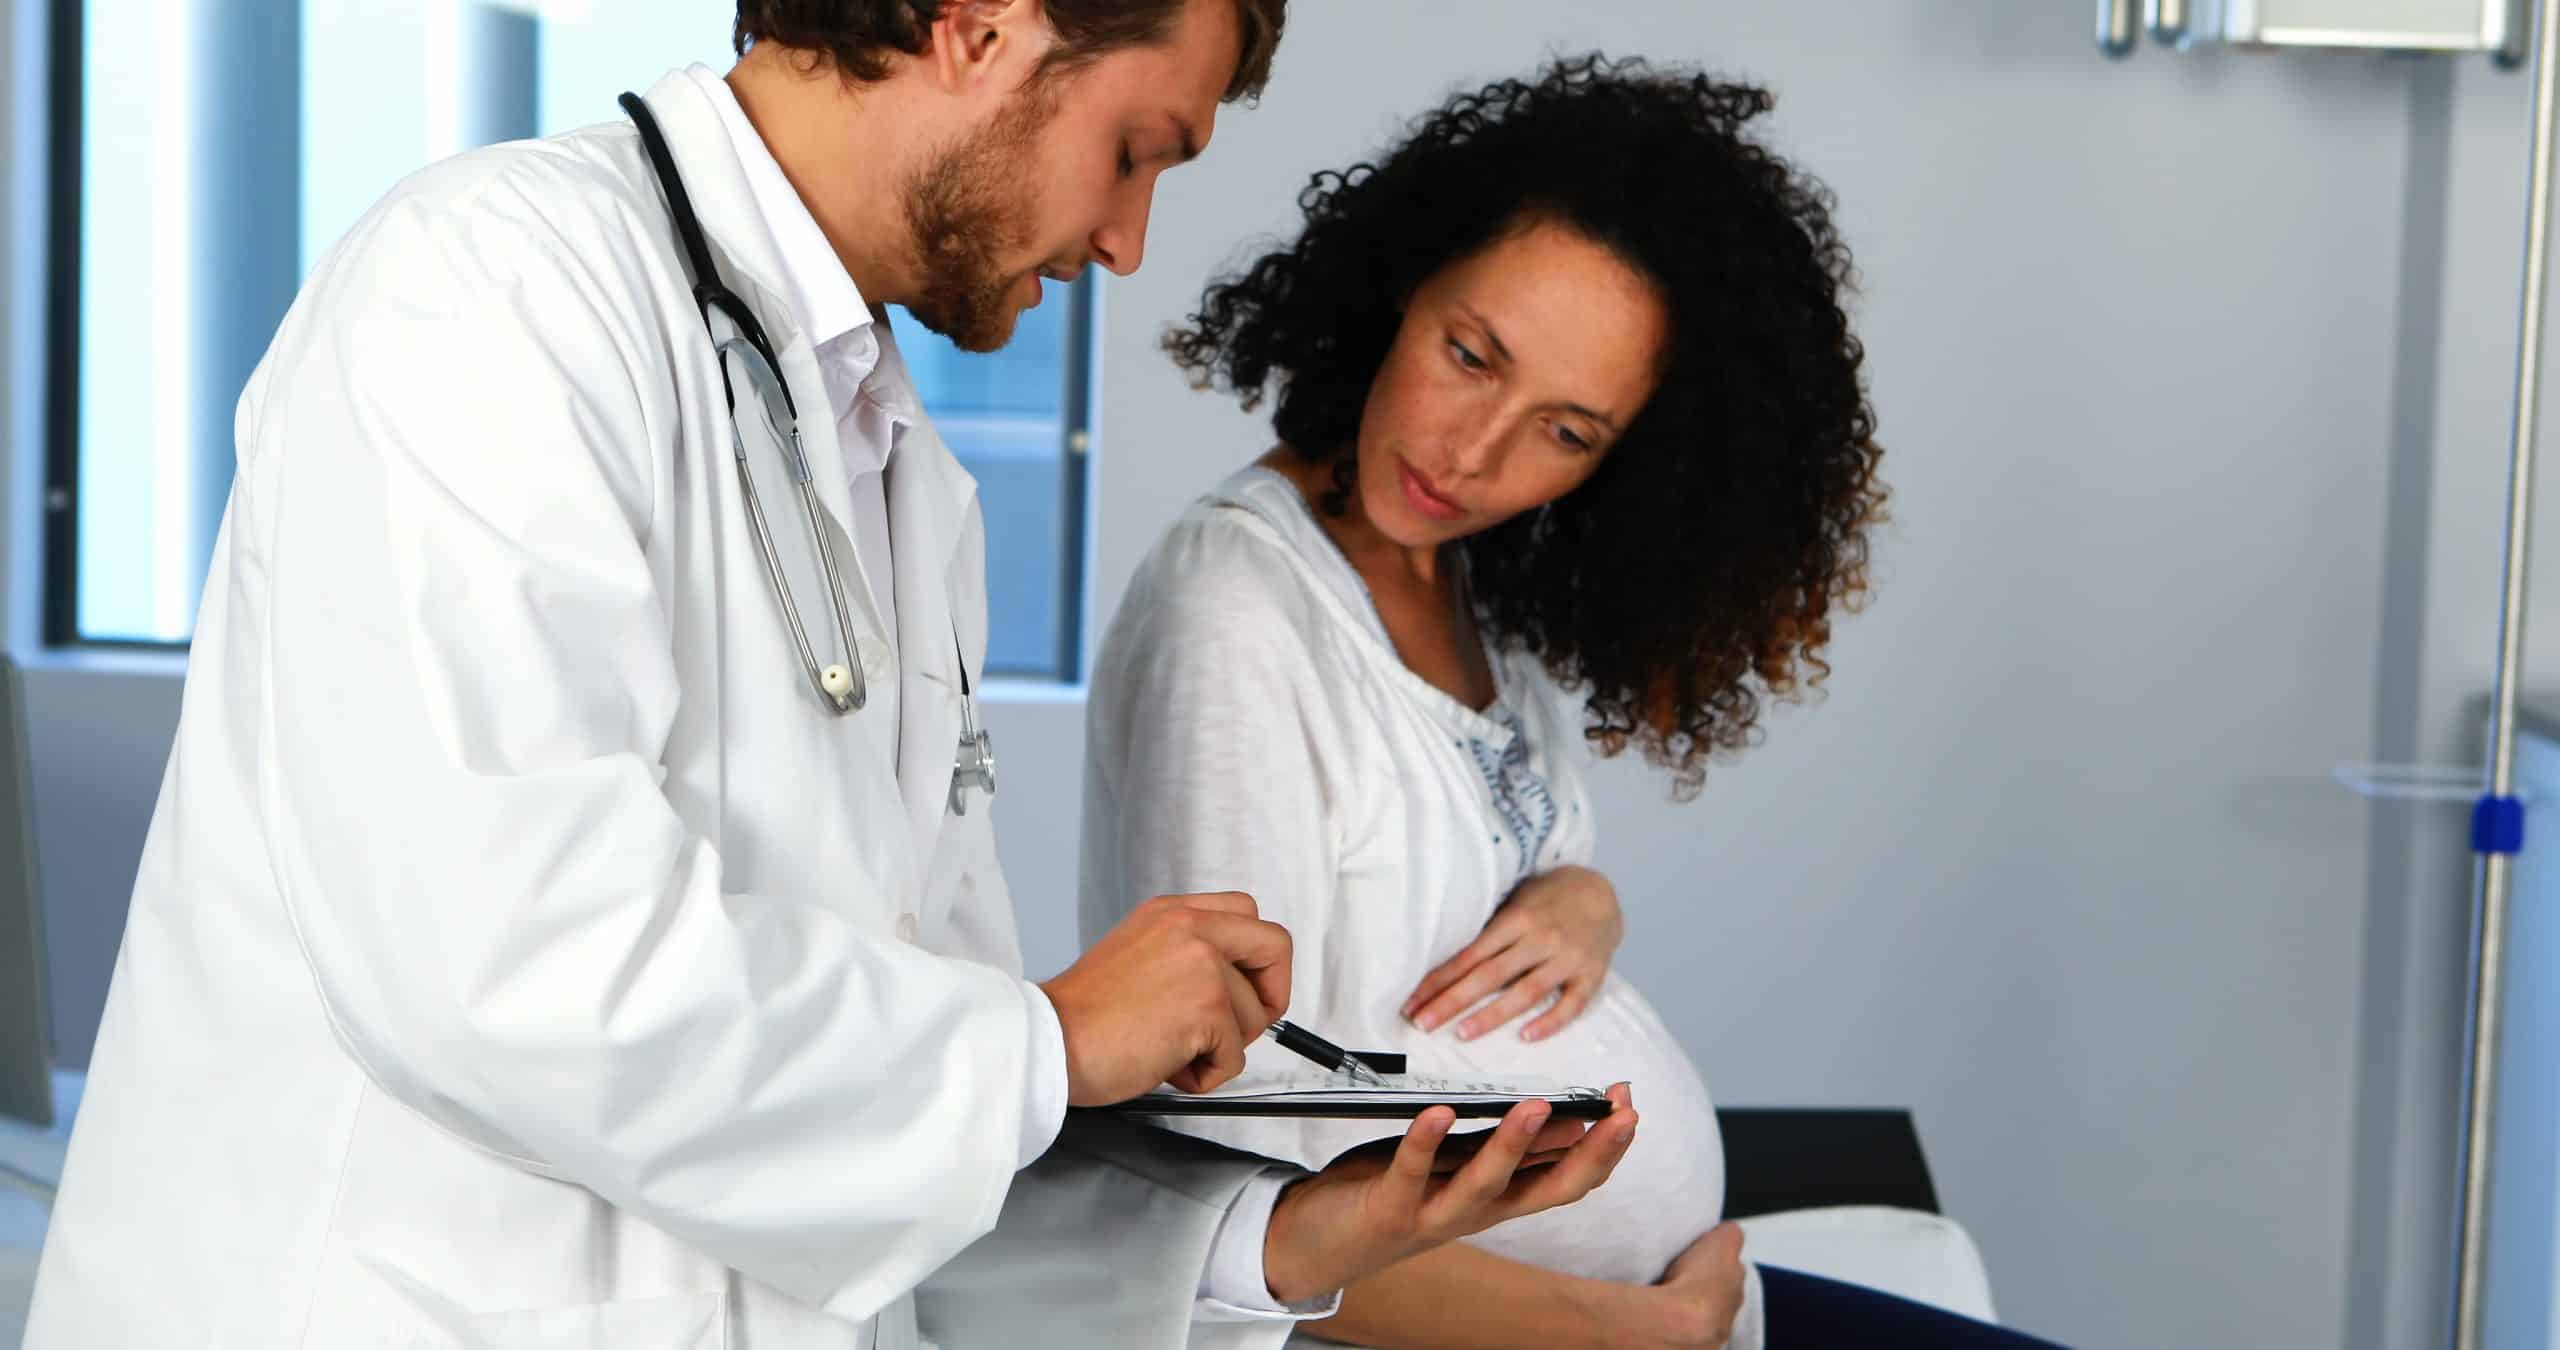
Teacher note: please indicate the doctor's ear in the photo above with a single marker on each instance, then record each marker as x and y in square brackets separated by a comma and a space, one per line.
[974, 40]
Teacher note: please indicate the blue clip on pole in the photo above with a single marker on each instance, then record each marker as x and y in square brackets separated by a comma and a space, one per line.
[2497, 824]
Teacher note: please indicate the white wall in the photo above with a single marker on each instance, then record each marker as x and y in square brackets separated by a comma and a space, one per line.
[2056, 863]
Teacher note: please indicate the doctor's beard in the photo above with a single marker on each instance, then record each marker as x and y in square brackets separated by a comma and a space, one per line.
[969, 208]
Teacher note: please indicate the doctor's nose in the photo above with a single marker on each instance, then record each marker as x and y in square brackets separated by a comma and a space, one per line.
[1121, 243]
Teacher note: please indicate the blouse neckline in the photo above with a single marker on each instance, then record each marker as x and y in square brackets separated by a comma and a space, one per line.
[1273, 498]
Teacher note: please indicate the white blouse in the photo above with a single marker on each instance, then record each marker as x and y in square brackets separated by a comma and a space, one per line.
[1251, 728]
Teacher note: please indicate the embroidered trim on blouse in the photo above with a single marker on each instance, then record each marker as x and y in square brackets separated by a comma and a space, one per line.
[1519, 794]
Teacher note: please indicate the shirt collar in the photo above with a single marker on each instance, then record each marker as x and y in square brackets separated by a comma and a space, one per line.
[830, 305]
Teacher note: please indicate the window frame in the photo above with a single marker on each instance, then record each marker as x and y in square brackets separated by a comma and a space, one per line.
[1075, 468]
[60, 520]
[64, 186]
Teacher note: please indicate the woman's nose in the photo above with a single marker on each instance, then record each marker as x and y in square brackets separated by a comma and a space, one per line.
[1476, 450]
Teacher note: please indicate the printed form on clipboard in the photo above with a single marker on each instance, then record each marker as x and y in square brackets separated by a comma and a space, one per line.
[1398, 1096]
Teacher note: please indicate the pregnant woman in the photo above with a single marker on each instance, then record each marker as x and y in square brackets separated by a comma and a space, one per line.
[1573, 448]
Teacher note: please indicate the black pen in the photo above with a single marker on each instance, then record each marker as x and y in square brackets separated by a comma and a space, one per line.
[1302, 1042]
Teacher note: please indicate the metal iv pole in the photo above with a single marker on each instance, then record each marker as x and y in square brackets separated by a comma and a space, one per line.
[2497, 821]
[2497, 818]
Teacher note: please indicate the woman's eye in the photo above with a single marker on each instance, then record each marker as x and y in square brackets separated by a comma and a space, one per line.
[1128, 166]
[1465, 358]
[1573, 439]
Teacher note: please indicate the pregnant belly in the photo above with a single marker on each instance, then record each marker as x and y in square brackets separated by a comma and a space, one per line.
[1666, 1191]
[1670, 1186]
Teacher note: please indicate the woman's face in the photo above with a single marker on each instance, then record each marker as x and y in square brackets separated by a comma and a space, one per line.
[1512, 374]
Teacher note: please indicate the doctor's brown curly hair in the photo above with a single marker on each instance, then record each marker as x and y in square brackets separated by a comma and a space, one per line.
[1694, 576]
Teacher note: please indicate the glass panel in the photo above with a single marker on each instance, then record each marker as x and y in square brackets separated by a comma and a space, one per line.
[133, 333]
[182, 280]
[187, 260]
[1002, 415]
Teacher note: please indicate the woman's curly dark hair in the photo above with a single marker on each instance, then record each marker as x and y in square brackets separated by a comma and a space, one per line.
[1693, 577]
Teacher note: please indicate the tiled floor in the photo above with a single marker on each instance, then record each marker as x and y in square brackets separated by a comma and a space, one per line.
[30, 1164]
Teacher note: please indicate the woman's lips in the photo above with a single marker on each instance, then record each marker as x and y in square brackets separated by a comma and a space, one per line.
[1424, 497]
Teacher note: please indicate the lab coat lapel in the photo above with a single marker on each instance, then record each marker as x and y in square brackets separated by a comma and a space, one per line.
[941, 619]
[752, 266]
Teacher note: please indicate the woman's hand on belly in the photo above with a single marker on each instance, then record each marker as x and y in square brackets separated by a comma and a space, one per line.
[1555, 936]
[1699, 1297]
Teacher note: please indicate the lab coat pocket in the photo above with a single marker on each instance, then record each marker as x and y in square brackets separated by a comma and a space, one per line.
[672, 1322]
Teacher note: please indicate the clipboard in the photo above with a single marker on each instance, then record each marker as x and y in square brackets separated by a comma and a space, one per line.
[1339, 1096]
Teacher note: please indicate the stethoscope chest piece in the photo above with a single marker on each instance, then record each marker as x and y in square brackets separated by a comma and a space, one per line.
[976, 769]
[975, 765]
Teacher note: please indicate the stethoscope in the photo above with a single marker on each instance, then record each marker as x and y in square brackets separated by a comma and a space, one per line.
[839, 684]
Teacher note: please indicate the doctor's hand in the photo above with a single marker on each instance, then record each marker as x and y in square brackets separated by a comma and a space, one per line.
[1554, 936]
[1173, 994]
[1372, 1208]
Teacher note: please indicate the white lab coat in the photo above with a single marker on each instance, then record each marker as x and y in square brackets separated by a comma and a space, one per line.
[520, 955]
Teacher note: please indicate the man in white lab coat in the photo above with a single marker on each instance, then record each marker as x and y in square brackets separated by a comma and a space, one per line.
[525, 953]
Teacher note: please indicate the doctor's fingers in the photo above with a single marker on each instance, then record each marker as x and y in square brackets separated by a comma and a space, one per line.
[1244, 1002]
[1228, 1030]
[1223, 902]
[1409, 1175]
[1258, 950]
[1218, 1053]
[1470, 1200]
[1581, 1170]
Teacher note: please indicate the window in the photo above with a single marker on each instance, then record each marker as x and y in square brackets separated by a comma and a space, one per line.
[213, 149]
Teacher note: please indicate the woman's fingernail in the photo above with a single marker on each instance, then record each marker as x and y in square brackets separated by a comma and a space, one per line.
[1532, 1034]
[1427, 1022]
[1467, 1031]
